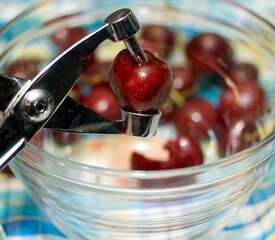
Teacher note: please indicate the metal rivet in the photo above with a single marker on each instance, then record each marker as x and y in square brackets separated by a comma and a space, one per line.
[37, 105]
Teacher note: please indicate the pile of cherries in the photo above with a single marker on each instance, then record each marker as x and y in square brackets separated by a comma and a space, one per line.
[146, 86]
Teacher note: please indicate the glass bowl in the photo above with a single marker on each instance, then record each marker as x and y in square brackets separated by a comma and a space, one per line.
[87, 189]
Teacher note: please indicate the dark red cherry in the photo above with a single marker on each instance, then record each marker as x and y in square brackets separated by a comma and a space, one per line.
[140, 162]
[102, 100]
[184, 152]
[66, 37]
[208, 52]
[140, 87]
[240, 72]
[167, 112]
[245, 100]
[25, 69]
[195, 118]
[236, 135]
[183, 77]
[159, 40]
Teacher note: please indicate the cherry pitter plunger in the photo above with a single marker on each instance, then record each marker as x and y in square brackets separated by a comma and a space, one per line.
[26, 106]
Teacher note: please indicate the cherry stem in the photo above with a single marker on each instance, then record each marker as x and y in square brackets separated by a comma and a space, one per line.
[136, 50]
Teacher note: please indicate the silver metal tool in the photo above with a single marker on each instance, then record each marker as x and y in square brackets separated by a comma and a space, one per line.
[28, 106]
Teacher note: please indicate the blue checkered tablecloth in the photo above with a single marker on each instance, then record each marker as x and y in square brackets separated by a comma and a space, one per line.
[21, 220]
[19, 216]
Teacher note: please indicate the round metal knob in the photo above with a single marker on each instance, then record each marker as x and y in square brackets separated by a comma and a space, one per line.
[125, 25]
[37, 105]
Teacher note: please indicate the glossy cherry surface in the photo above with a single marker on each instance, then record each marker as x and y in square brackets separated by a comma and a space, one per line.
[195, 118]
[184, 152]
[183, 77]
[245, 100]
[140, 87]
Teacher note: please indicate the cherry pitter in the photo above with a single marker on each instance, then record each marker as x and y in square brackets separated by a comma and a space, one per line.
[29, 105]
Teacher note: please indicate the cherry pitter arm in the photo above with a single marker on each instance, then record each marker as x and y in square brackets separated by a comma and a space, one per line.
[26, 106]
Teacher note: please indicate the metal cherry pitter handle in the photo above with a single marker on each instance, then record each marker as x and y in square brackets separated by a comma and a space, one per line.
[28, 106]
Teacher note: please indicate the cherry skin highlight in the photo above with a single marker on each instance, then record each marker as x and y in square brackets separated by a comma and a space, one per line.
[184, 152]
[195, 118]
[140, 87]
[183, 77]
[246, 100]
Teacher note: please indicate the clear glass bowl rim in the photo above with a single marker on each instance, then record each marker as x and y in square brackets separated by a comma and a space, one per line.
[230, 160]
